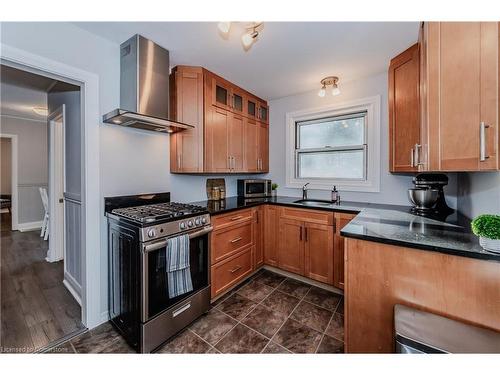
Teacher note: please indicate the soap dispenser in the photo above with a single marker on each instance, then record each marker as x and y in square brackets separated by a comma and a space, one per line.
[335, 194]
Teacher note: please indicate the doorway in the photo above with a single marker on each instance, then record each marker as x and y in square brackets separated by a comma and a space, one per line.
[41, 259]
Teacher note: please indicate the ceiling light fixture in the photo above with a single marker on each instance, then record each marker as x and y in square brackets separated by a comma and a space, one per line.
[248, 38]
[41, 111]
[224, 27]
[327, 81]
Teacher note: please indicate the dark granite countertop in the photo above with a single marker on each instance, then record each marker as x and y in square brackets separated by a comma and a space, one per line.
[391, 224]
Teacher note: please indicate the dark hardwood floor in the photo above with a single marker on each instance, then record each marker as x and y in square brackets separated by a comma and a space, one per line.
[36, 308]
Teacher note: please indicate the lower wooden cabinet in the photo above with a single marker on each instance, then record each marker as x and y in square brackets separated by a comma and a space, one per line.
[341, 220]
[259, 236]
[306, 242]
[229, 272]
[291, 246]
[318, 252]
[271, 231]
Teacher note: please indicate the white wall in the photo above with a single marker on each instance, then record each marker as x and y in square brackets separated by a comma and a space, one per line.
[6, 166]
[479, 193]
[393, 188]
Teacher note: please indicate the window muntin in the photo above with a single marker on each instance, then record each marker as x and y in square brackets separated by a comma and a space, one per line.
[332, 148]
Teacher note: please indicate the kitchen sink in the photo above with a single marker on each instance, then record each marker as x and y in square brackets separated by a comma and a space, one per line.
[314, 202]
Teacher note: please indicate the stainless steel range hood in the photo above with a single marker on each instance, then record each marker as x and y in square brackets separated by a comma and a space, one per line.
[144, 88]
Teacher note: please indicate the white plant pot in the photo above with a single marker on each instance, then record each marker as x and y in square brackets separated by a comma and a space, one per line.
[274, 193]
[489, 244]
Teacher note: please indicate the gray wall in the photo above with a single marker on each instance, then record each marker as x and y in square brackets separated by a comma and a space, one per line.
[479, 193]
[393, 188]
[6, 166]
[32, 164]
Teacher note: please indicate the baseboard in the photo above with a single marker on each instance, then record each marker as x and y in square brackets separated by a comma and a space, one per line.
[25, 227]
[304, 279]
[72, 290]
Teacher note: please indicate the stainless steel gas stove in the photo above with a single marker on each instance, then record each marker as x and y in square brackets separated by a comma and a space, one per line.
[138, 230]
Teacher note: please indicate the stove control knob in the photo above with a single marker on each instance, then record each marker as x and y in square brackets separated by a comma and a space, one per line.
[190, 223]
[203, 220]
[197, 221]
[151, 233]
[182, 225]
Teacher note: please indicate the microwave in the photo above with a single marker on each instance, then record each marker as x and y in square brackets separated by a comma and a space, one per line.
[254, 188]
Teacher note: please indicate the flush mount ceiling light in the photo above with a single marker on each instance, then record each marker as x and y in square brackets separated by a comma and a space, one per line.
[327, 81]
[250, 35]
[41, 111]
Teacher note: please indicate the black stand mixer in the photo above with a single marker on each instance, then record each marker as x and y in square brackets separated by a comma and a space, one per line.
[428, 195]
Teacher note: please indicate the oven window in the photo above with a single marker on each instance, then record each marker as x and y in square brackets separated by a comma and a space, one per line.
[255, 188]
[158, 299]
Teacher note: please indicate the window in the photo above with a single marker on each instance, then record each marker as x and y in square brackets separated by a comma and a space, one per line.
[337, 145]
[332, 147]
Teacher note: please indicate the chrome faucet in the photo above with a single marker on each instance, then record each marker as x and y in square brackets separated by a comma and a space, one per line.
[304, 191]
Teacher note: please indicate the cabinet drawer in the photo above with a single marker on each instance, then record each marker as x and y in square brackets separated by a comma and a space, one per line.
[235, 217]
[229, 272]
[230, 240]
[308, 215]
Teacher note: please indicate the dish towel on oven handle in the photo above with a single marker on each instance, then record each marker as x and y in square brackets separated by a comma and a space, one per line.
[178, 268]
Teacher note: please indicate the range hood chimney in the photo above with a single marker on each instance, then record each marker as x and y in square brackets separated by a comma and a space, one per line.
[144, 88]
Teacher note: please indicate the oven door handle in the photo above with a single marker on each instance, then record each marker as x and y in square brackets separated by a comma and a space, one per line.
[158, 245]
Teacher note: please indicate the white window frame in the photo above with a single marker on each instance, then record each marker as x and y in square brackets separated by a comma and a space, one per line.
[371, 106]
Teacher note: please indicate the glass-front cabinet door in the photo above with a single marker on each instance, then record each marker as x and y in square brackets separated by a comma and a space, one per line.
[220, 94]
[237, 100]
[252, 108]
[263, 112]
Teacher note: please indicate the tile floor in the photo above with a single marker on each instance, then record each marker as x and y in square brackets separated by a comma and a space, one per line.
[267, 314]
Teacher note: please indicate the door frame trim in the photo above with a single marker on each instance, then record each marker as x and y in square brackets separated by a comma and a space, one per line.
[13, 176]
[92, 315]
[55, 254]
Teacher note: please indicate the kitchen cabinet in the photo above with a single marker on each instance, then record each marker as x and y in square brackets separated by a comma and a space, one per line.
[459, 91]
[236, 142]
[186, 147]
[271, 235]
[306, 244]
[404, 110]
[228, 135]
[263, 148]
[232, 249]
[263, 112]
[259, 236]
[252, 148]
[291, 245]
[217, 157]
[379, 276]
[341, 220]
[318, 252]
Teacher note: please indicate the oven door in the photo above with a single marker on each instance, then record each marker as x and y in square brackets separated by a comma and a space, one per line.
[155, 297]
[255, 189]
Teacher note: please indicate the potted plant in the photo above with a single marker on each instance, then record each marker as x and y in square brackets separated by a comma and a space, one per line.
[487, 228]
[274, 190]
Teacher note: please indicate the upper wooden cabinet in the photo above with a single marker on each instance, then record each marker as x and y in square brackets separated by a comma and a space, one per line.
[404, 111]
[186, 150]
[229, 136]
[458, 74]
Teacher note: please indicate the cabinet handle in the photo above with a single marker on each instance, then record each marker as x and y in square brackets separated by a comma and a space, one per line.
[236, 217]
[236, 240]
[300, 235]
[237, 268]
[412, 157]
[417, 154]
[179, 162]
[482, 141]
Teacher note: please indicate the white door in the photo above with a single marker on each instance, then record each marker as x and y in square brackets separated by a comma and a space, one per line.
[56, 123]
